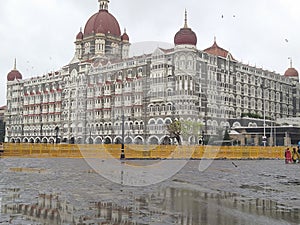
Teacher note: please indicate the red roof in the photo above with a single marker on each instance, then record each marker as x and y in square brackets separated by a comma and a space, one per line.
[218, 51]
[102, 22]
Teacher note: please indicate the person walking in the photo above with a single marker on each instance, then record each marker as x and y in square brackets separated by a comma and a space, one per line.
[298, 154]
[295, 156]
[288, 156]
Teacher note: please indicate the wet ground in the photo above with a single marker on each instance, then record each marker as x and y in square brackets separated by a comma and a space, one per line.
[69, 191]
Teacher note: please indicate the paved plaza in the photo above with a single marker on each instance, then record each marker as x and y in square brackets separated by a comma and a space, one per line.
[70, 191]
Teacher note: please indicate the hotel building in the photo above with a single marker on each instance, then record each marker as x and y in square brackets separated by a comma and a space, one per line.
[103, 95]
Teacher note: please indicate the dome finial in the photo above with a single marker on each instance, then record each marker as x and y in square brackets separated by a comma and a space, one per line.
[185, 19]
[291, 62]
[15, 64]
[103, 4]
[215, 39]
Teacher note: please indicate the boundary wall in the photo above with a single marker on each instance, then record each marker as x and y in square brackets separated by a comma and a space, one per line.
[140, 151]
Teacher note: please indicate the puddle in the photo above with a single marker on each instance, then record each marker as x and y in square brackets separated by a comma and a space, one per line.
[27, 170]
[171, 205]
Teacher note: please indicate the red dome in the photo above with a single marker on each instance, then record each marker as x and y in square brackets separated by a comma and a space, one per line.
[14, 74]
[185, 37]
[291, 72]
[125, 37]
[102, 22]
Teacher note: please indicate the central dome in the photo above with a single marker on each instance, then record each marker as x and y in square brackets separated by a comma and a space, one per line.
[185, 37]
[102, 22]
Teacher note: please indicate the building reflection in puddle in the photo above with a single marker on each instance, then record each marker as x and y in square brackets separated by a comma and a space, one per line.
[170, 206]
[226, 208]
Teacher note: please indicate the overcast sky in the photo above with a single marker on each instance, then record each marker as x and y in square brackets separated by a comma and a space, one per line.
[40, 33]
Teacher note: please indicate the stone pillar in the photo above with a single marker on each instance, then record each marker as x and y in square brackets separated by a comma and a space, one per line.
[287, 139]
[242, 140]
[256, 140]
[271, 141]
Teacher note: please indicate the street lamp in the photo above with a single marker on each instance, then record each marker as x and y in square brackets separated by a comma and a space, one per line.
[56, 134]
[264, 88]
[122, 156]
[264, 137]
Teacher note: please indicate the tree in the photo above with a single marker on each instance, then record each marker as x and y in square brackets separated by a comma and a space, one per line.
[183, 128]
[174, 129]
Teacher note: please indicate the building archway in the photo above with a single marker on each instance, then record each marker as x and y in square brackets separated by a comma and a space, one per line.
[192, 140]
[153, 140]
[79, 140]
[128, 140]
[166, 140]
[138, 140]
[118, 140]
[45, 140]
[90, 140]
[72, 140]
[98, 140]
[107, 140]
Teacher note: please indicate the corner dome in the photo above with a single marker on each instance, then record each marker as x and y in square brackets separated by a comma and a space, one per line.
[14, 74]
[79, 35]
[102, 22]
[125, 36]
[291, 72]
[185, 36]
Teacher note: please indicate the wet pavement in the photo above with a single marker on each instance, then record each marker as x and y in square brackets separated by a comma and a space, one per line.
[69, 191]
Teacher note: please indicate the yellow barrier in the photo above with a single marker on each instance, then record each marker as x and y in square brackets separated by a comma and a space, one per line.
[140, 151]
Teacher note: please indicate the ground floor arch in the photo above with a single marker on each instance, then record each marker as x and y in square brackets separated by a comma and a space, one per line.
[128, 140]
[98, 140]
[153, 140]
[118, 140]
[45, 140]
[138, 140]
[107, 140]
[89, 140]
[166, 140]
